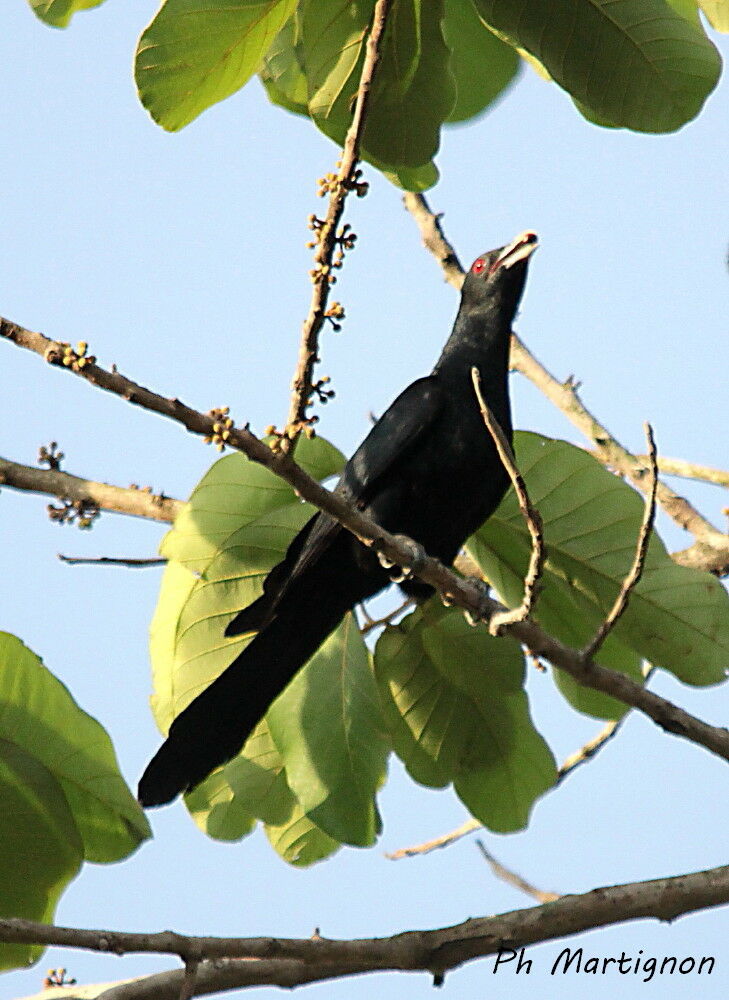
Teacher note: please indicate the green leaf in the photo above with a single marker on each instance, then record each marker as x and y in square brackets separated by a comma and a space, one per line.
[40, 717]
[236, 526]
[561, 615]
[482, 65]
[198, 52]
[234, 494]
[413, 178]
[329, 729]
[42, 850]
[717, 12]
[457, 712]
[253, 786]
[250, 787]
[282, 73]
[413, 91]
[299, 841]
[58, 13]
[677, 618]
[633, 64]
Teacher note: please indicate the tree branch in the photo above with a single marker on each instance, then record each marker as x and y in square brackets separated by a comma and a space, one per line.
[328, 237]
[466, 593]
[64, 486]
[711, 548]
[289, 962]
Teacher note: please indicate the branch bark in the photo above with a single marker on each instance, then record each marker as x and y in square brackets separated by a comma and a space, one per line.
[64, 486]
[290, 962]
[466, 593]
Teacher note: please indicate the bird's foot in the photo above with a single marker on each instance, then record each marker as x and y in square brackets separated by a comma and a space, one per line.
[418, 556]
[476, 617]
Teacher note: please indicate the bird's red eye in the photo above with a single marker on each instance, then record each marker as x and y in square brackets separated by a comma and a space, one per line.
[478, 265]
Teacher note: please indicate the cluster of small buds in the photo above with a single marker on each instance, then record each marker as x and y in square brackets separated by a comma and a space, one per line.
[323, 394]
[305, 427]
[328, 184]
[82, 513]
[314, 224]
[50, 456]
[334, 313]
[536, 661]
[323, 272]
[346, 237]
[57, 977]
[141, 489]
[77, 358]
[221, 427]
[356, 184]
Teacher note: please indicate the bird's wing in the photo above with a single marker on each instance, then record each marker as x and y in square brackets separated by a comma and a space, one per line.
[391, 439]
[393, 436]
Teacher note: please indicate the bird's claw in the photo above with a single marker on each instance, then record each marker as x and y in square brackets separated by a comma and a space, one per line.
[477, 617]
[401, 573]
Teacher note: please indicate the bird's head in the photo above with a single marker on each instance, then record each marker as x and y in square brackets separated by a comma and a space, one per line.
[497, 278]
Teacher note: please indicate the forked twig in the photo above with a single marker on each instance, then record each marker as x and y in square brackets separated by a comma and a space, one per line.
[641, 549]
[531, 516]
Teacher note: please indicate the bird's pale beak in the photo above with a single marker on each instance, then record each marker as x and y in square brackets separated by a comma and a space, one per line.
[519, 249]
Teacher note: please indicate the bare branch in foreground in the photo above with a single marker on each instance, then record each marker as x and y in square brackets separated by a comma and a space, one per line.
[289, 962]
[511, 878]
[64, 486]
[710, 551]
[327, 236]
[468, 594]
[636, 570]
[529, 512]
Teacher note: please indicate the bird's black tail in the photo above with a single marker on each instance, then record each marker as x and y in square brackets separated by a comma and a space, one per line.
[214, 727]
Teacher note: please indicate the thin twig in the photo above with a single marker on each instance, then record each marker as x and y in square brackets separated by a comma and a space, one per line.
[112, 561]
[373, 623]
[529, 511]
[327, 235]
[445, 840]
[511, 878]
[710, 551]
[641, 549]
[467, 594]
[586, 752]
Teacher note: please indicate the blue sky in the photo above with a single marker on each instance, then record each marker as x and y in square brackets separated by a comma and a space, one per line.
[181, 258]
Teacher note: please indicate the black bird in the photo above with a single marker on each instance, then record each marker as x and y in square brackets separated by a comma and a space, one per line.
[427, 469]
